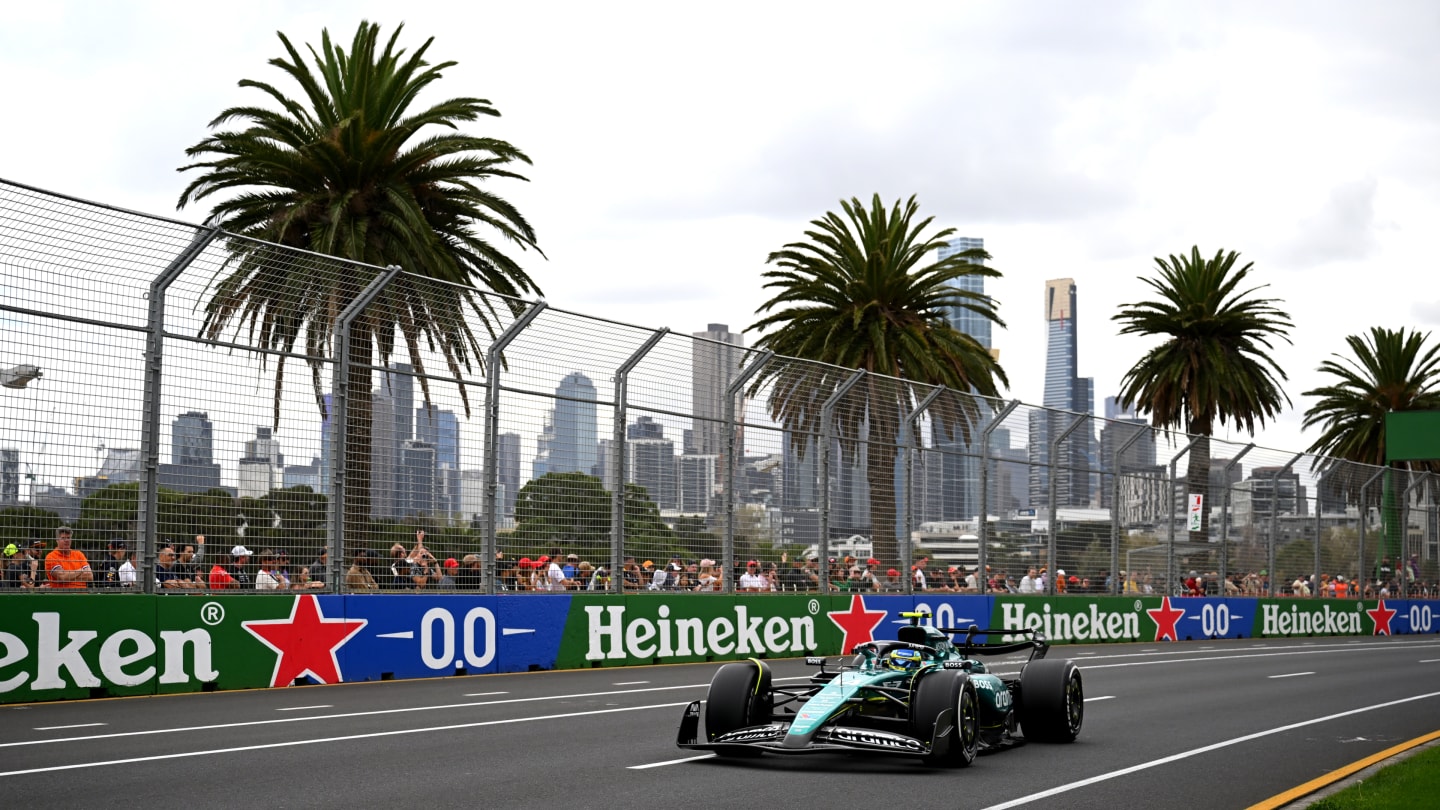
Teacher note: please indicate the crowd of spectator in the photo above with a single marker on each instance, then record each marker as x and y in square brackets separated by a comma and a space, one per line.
[185, 566]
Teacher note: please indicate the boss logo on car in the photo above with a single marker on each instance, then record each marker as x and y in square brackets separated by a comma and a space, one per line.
[878, 739]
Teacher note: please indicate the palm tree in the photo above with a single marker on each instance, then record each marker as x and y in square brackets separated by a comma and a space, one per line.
[863, 291]
[355, 170]
[1388, 370]
[1213, 364]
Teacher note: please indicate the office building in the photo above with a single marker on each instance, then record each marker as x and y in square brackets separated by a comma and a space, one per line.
[714, 360]
[571, 444]
[192, 466]
[1066, 395]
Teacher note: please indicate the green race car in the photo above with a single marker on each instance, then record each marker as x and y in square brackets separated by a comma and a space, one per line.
[921, 696]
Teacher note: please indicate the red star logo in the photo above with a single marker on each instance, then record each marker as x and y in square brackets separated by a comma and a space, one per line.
[306, 642]
[1382, 616]
[1165, 618]
[857, 623]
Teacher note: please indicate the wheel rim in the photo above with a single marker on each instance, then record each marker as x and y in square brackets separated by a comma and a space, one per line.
[1074, 702]
[969, 720]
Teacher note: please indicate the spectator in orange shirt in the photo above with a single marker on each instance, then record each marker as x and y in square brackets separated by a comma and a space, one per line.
[66, 567]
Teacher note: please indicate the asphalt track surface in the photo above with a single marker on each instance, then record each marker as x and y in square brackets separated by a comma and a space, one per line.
[1215, 724]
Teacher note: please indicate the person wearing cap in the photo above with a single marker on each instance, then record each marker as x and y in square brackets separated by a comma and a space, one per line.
[108, 575]
[917, 573]
[267, 578]
[709, 580]
[893, 584]
[233, 576]
[468, 574]
[67, 567]
[751, 581]
[19, 568]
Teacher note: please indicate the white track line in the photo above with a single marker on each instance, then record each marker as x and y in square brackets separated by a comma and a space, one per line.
[1154, 763]
[484, 694]
[321, 740]
[1099, 697]
[1290, 675]
[77, 725]
[305, 708]
[670, 762]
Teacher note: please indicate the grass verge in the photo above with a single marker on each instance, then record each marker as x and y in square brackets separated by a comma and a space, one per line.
[1412, 782]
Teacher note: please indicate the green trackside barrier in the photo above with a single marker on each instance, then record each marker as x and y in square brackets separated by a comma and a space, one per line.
[1310, 617]
[66, 646]
[1072, 620]
[680, 628]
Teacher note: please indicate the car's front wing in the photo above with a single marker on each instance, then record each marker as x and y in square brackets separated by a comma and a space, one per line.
[775, 738]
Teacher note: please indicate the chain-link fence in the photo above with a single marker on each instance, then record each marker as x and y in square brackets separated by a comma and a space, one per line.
[204, 411]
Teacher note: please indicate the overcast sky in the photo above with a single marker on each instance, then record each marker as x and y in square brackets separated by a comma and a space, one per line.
[674, 148]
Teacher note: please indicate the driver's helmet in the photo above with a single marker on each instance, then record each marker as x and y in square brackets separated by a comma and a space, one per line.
[904, 660]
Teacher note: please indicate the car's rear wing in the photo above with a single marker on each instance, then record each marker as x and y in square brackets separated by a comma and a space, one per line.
[1034, 641]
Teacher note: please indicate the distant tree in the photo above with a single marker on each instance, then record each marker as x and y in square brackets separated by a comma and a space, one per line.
[1213, 362]
[574, 510]
[865, 291]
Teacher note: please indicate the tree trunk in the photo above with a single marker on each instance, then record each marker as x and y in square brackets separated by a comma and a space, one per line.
[1197, 482]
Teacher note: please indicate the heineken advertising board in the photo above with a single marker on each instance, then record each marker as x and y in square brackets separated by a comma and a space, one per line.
[56, 646]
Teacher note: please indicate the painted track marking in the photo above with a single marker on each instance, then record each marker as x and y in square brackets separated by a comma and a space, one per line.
[77, 725]
[669, 762]
[321, 740]
[1204, 749]
[1289, 675]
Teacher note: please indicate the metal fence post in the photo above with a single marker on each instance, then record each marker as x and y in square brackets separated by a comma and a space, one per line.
[617, 457]
[1170, 520]
[981, 580]
[1275, 520]
[148, 506]
[907, 470]
[340, 407]
[1053, 531]
[493, 360]
[1115, 508]
[1405, 532]
[727, 548]
[1319, 528]
[827, 412]
[1365, 518]
[1225, 517]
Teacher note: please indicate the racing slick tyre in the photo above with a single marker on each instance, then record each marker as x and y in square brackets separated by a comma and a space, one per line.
[1052, 701]
[739, 696]
[935, 692]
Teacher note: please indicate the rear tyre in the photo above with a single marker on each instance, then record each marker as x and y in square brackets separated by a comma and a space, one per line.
[739, 696]
[960, 740]
[1052, 701]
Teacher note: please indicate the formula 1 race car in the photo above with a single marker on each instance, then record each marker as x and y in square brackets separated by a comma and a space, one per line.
[920, 696]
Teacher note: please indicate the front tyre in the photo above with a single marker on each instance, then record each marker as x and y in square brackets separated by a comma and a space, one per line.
[958, 739]
[739, 696]
[1052, 701]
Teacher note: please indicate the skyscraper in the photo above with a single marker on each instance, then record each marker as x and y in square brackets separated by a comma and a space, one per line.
[441, 429]
[951, 474]
[713, 364]
[192, 466]
[192, 439]
[1065, 391]
[508, 462]
[574, 447]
